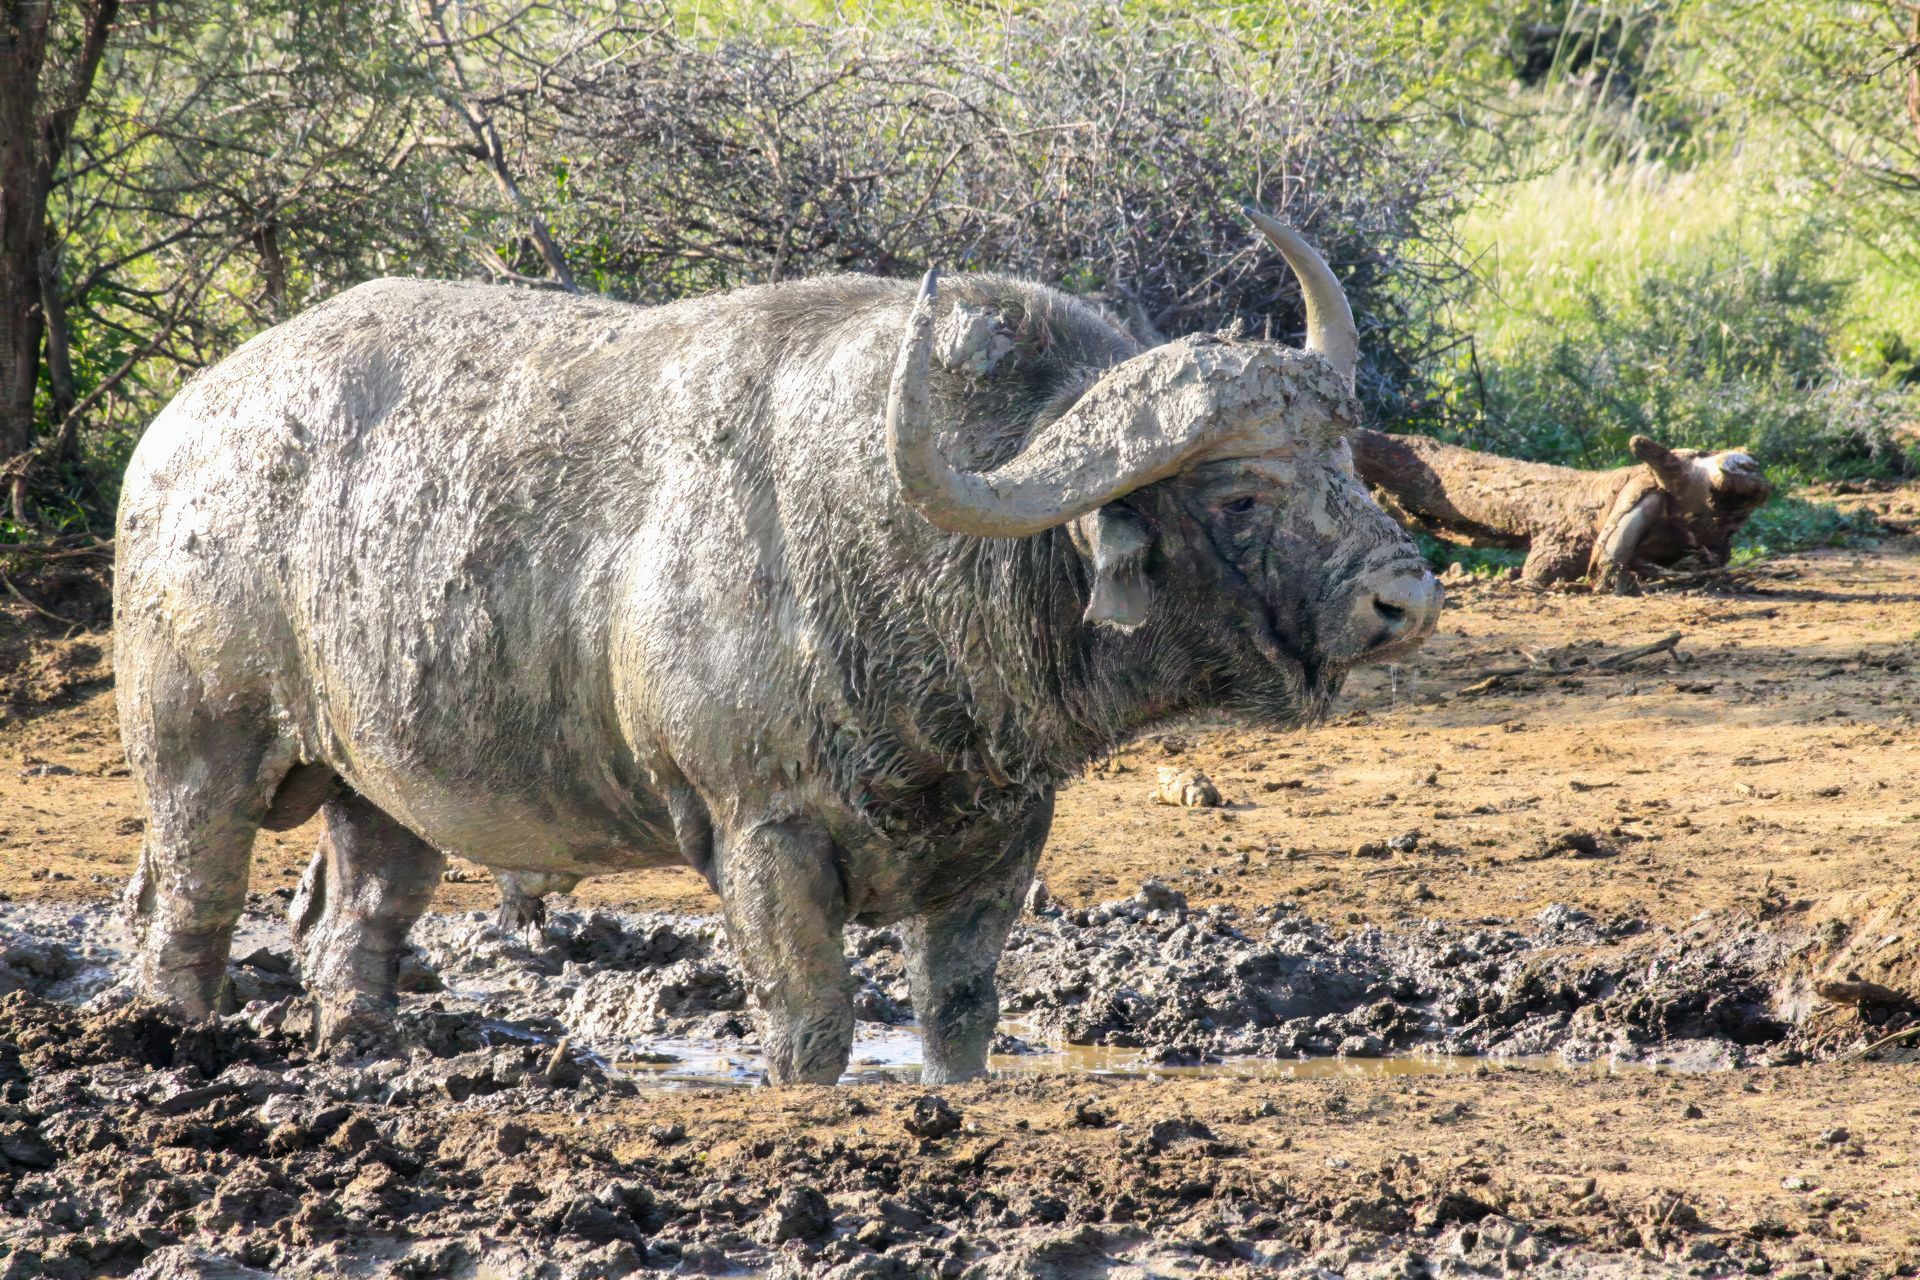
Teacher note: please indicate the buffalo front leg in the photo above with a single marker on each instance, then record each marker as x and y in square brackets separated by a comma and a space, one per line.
[785, 908]
[953, 951]
[369, 881]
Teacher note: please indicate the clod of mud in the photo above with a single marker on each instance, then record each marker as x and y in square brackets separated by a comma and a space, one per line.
[931, 1117]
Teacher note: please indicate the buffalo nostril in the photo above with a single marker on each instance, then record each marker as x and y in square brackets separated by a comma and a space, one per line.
[1405, 607]
[1385, 616]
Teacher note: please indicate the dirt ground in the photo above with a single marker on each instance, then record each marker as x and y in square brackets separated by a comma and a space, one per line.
[1761, 775]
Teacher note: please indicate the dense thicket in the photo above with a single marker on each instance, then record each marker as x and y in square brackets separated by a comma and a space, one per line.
[177, 174]
[1105, 154]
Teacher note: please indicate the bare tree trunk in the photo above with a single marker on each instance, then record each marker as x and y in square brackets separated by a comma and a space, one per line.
[273, 268]
[36, 125]
[23, 205]
[1913, 72]
[53, 310]
[1572, 523]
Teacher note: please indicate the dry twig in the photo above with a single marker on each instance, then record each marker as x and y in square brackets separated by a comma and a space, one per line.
[1665, 644]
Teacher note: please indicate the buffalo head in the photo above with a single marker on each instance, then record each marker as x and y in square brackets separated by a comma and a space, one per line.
[1209, 488]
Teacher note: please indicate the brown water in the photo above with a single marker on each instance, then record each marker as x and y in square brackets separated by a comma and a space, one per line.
[894, 1053]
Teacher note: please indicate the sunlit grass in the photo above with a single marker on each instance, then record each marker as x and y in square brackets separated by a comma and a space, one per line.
[1582, 229]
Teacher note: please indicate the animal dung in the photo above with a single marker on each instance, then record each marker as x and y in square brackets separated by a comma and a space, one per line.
[1188, 788]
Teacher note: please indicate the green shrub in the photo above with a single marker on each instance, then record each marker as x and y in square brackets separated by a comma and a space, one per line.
[1730, 347]
[1789, 523]
[1481, 562]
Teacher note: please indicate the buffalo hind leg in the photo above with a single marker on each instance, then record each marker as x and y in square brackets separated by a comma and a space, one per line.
[207, 779]
[953, 952]
[368, 882]
[785, 909]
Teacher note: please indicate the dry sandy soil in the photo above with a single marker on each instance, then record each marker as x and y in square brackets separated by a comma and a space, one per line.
[1758, 780]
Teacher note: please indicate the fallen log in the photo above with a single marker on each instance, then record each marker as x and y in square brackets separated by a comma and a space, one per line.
[1613, 527]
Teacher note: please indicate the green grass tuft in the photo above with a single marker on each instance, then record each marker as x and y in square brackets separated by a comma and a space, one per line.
[1789, 523]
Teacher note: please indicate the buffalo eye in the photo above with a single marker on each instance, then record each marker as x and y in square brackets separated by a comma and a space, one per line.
[1238, 507]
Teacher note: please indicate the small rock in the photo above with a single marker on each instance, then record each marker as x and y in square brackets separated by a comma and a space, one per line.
[1798, 1182]
[1406, 842]
[1371, 849]
[1835, 1136]
[1038, 899]
[1693, 1112]
[1156, 896]
[931, 1117]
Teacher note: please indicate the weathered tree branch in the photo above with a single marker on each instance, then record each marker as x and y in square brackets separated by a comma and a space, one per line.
[487, 138]
[1573, 524]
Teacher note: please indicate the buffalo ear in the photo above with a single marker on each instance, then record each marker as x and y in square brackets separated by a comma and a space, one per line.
[1668, 467]
[1115, 539]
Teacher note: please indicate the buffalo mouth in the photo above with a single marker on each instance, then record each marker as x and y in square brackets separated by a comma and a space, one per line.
[1287, 690]
[1322, 681]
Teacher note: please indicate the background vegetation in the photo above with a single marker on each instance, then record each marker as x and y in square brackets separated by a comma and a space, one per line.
[1562, 223]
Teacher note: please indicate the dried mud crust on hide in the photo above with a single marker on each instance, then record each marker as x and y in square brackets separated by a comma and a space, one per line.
[480, 1139]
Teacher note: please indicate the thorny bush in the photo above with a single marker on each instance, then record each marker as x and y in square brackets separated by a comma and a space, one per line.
[1087, 144]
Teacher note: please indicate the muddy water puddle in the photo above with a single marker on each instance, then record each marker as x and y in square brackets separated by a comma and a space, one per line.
[893, 1054]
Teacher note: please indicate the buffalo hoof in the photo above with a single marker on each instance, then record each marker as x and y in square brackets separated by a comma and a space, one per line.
[356, 1024]
[520, 913]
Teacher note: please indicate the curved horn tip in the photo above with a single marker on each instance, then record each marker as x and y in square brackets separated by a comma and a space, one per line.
[929, 285]
[1330, 328]
[1267, 222]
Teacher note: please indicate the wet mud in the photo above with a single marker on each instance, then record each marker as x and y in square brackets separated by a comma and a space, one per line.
[471, 1138]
